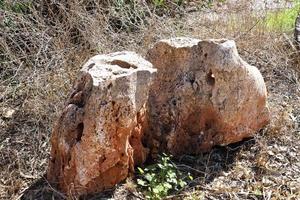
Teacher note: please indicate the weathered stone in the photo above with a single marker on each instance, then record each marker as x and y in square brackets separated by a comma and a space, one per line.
[204, 95]
[97, 140]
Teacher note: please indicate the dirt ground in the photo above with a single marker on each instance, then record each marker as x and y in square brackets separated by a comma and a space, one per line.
[39, 64]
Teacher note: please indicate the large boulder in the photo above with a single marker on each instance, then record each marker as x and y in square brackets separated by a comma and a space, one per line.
[97, 140]
[204, 95]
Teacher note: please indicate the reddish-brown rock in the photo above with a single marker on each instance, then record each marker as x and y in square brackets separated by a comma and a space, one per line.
[97, 140]
[204, 95]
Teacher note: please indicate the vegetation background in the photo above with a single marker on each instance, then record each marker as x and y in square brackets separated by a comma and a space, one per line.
[44, 43]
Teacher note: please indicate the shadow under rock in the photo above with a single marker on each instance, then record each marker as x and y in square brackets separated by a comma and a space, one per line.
[207, 166]
[204, 168]
[41, 190]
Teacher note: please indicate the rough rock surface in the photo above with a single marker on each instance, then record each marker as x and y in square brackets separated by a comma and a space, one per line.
[97, 140]
[204, 95]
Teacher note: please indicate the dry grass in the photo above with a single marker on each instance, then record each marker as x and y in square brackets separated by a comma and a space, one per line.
[42, 49]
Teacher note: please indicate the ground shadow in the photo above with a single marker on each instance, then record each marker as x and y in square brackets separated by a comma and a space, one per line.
[41, 190]
[204, 168]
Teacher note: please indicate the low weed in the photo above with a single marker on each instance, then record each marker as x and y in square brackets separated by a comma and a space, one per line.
[159, 179]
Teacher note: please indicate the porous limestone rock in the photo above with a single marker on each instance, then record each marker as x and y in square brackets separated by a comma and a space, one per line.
[97, 140]
[204, 95]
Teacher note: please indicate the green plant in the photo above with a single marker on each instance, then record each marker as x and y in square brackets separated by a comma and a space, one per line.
[158, 3]
[283, 20]
[22, 7]
[161, 178]
[164, 3]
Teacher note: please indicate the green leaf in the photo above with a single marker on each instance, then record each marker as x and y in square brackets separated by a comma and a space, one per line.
[141, 170]
[141, 182]
[160, 166]
[149, 177]
[171, 174]
[182, 183]
[155, 190]
[190, 176]
[167, 185]
[158, 189]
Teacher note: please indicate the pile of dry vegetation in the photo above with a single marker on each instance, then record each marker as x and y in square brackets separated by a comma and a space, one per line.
[44, 43]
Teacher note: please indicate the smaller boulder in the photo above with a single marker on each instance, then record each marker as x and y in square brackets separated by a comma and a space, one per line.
[97, 140]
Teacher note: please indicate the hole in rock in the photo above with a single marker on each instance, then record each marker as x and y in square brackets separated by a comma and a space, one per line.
[79, 132]
[166, 128]
[69, 159]
[174, 102]
[210, 78]
[207, 126]
[123, 64]
[91, 65]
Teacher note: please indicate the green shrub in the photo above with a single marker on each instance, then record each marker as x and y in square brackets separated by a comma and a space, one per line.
[161, 178]
[283, 20]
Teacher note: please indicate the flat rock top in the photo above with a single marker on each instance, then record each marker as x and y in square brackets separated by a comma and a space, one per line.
[182, 42]
[115, 65]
